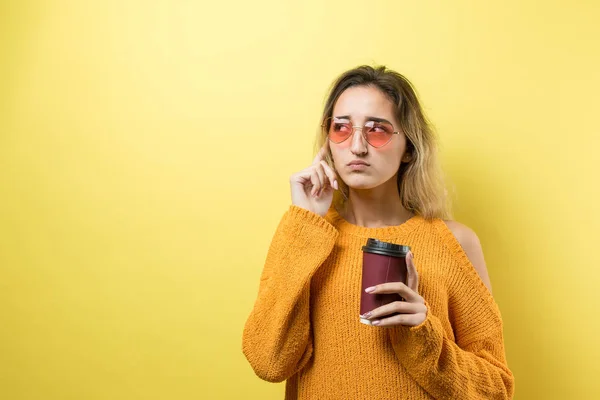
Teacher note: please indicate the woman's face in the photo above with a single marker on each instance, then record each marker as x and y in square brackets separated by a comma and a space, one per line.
[361, 104]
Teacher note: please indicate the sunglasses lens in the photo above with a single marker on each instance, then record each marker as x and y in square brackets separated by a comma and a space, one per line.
[339, 130]
[378, 133]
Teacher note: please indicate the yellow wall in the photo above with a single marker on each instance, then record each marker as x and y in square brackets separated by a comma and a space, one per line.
[145, 150]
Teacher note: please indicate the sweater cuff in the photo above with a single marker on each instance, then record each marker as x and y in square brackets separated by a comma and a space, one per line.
[304, 216]
[417, 341]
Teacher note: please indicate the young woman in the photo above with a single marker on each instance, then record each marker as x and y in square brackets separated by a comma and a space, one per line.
[376, 175]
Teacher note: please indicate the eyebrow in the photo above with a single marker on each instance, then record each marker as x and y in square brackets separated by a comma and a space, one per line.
[368, 118]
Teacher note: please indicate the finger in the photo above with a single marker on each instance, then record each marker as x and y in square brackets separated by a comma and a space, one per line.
[316, 182]
[402, 319]
[330, 174]
[322, 153]
[302, 177]
[396, 287]
[412, 278]
[401, 307]
[322, 178]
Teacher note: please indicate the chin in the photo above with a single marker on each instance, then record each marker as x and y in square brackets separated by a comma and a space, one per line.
[359, 181]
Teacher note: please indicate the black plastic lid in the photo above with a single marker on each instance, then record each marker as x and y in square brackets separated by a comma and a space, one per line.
[385, 248]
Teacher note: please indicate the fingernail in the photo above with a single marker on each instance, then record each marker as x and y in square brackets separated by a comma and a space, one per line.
[367, 315]
[335, 184]
[375, 323]
[370, 289]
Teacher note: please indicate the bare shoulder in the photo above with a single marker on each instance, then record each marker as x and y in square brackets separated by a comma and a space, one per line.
[465, 235]
[470, 243]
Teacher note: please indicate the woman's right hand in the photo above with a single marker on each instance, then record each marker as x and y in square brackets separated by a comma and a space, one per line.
[313, 187]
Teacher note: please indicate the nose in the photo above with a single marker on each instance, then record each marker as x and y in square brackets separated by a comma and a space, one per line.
[359, 143]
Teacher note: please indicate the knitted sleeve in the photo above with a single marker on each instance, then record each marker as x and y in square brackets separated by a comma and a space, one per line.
[277, 335]
[473, 366]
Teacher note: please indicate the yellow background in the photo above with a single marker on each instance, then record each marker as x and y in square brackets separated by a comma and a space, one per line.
[145, 151]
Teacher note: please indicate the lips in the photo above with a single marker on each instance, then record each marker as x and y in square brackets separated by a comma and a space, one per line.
[358, 166]
[356, 162]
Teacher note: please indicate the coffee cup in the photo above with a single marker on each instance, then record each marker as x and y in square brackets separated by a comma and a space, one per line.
[382, 262]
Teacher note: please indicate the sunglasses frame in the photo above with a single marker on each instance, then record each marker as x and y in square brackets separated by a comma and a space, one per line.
[354, 127]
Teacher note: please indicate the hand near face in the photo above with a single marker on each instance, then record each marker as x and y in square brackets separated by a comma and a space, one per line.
[313, 187]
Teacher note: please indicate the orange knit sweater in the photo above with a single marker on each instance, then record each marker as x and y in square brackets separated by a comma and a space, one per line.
[304, 327]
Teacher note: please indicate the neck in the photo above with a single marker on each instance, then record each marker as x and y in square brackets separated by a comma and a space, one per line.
[375, 208]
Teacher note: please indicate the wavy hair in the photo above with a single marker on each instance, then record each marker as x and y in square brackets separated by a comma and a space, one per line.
[421, 183]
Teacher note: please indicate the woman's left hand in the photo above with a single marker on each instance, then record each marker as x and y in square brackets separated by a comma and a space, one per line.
[413, 310]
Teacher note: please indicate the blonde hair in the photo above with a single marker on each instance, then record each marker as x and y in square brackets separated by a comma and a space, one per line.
[421, 183]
